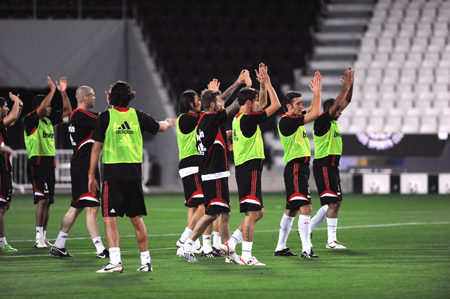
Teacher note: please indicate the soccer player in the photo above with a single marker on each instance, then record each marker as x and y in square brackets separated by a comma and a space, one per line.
[40, 143]
[81, 126]
[118, 134]
[212, 148]
[297, 154]
[328, 141]
[248, 152]
[6, 120]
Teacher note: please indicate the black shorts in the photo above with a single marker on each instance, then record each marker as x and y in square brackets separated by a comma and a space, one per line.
[249, 189]
[42, 177]
[5, 188]
[123, 197]
[81, 197]
[217, 196]
[296, 176]
[193, 192]
[328, 182]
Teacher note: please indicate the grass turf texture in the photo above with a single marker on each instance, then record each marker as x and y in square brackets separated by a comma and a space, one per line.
[397, 261]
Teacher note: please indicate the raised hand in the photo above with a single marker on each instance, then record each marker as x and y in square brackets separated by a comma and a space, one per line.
[347, 79]
[50, 83]
[14, 97]
[214, 84]
[107, 93]
[62, 85]
[247, 79]
[241, 78]
[263, 74]
[316, 83]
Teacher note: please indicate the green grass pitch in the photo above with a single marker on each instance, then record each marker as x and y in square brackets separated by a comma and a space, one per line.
[398, 247]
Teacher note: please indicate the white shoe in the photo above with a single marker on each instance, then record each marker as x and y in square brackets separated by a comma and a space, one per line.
[179, 243]
[40, 243]
[335, 245]
[228, 261]
[110, 268]
[250, 262]
[230, 253]
[146, 268]
[197, 251]
[189, 256]
[47, 242]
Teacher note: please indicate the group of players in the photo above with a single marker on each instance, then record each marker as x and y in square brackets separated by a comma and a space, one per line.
[203, 143]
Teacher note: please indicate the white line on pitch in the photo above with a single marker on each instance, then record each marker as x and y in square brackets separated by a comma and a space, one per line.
[271, 231]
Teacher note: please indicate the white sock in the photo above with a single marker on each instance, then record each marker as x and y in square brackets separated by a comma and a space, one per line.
[187, 232]
[235, 239]
[303, 228]
[217, 241]
[188, 245]
[246, 250]
[114, 255]
[285, 229]
[145, 257]
[39, 231]
[45, 234]
[332, 226]
[98, 244]
[319, 217]
[207, 243]
[61, 240]
[3, 241]
[197, 244]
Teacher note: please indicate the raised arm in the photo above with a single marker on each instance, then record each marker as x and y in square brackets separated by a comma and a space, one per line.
[167, 123]
[262, 87]
[316, 88]
[233, 108]
[349, 96]
[274, 101]
[48, 99]
[62, 86]
[230, 90]
[346, 80]
[95, 154]
[13, 116]
[107, 93]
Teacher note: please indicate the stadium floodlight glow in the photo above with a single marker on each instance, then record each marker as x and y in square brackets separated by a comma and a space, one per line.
[443, 136]
[379, 141]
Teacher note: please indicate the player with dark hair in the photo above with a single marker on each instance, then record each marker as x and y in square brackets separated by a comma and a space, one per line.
[40, 143]
[6, 120]
[328, 141]
[297, 154]
[212, 148]
[248, 149]
[81, 127]
[118, 134]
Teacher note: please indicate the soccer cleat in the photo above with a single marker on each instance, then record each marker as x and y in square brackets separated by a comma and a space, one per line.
[335, 245]
[40, 243]
[250, 262]
[60, 252]
[313, 255]
[212, 253]
[179, 243]
[284, 252]
[228, 261]
[306, 255]
[110, 268]
[103, 255]
[48, 243]
[189, 256]
[146, 268]
[7, 248]
[230, 253]
[218, 251]
[197, 251]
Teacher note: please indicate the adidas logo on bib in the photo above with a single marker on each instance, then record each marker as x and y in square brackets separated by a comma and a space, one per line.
[124, 129]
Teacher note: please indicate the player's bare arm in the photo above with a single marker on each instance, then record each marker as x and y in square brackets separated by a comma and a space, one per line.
[262, 87]
[13, 116]
[62, 87]
[316, 88]
[241, 80]
[264, 78]
[346, 82]
[48, 99]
